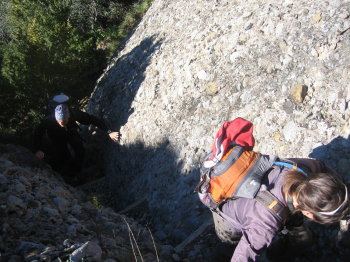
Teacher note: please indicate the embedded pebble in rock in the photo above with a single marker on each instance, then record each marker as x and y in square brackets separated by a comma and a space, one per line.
[15, 204]
[290, 131]
[61, 204]
[189, 66]
[298, 93]
[90, 251]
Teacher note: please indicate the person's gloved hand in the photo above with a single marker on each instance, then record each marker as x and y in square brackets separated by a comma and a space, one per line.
[115, 136]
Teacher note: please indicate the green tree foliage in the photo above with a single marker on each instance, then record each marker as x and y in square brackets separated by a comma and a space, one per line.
[47, 54]
[53, 46]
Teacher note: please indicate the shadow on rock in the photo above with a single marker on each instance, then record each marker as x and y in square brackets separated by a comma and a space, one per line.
[156, 173]
[114, 95]
[336, 154]
[117, 89]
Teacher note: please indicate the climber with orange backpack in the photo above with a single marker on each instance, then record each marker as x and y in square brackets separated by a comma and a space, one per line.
[254, 197]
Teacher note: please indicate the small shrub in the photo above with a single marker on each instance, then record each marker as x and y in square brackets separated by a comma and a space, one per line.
[96, 202]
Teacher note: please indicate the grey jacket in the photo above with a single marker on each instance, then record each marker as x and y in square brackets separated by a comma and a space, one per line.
[257, 224]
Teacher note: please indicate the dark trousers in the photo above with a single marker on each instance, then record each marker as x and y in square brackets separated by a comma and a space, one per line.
[224, 230]
[66, 157]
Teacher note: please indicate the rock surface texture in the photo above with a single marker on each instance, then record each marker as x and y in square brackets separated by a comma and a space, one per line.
[191, 65]
[43, 219]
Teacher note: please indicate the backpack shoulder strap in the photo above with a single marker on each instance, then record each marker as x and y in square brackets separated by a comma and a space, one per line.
[275, 207]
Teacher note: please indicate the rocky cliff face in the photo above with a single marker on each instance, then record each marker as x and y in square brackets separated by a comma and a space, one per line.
[189, 66]
[43, 219]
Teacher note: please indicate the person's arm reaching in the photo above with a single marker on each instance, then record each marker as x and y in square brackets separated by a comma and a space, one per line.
[253, 241]
[115, 136]
[87, 119]
[259, 227]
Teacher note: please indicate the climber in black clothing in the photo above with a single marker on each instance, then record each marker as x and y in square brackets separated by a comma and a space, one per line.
[57, 140]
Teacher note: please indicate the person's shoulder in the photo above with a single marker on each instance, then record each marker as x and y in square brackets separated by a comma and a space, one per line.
[310, 165]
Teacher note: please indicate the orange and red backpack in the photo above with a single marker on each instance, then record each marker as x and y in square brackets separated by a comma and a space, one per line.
[233, 170]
